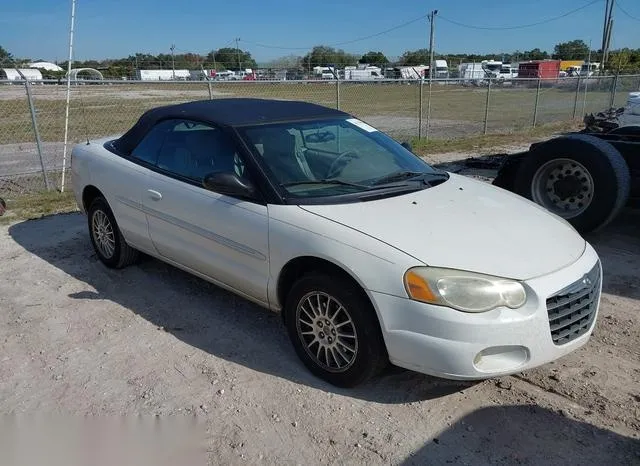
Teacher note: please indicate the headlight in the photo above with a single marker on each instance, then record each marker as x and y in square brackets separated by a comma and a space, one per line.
[461, 290]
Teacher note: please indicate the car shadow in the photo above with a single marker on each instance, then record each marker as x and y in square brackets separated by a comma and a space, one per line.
[525, 434]
[201, 314]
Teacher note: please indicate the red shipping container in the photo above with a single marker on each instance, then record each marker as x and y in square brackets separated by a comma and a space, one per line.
[543, 69]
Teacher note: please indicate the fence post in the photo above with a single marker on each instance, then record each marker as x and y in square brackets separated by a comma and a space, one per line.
[34, 123]
[486, 108]
[575, 102]
[429, 110]
[614, 90]
[535, 109]
[337, 92]
[209, 87]
[584, 101]
[420, 112]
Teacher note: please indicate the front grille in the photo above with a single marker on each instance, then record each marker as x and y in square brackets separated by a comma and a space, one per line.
[572, 310]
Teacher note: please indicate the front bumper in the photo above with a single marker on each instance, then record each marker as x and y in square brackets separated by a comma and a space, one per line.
[446, 343]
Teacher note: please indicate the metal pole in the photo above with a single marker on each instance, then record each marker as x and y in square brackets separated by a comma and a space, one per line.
[586, 82]
[173, 62]
[429, 111]
[206, 76]
[420, 110]
[486, 108]
[614, 91]
[66, 111]
[337, 91]
[34, 123]
[584, 100]
[238, 54]
[432, 19]
[575, 101]
[535, 109]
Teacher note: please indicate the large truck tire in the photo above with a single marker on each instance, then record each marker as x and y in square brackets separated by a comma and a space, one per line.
[580, 178]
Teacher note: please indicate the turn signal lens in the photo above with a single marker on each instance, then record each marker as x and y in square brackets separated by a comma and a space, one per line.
[418, 288]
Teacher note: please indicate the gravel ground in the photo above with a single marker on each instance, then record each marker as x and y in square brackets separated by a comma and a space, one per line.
[79, 339]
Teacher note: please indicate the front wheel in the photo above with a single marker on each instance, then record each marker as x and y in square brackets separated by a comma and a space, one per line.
[334, 330]
[106, 238]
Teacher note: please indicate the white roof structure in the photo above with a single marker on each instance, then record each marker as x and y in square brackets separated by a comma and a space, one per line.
[88, 73]
[45, 65]
[13, 74]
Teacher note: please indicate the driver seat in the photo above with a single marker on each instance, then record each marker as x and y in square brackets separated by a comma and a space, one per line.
[280, 153]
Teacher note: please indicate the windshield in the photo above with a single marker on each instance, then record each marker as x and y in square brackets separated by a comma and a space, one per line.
[333, 157]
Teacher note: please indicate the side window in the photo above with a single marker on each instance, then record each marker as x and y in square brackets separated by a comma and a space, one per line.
[149, 148]
[193, 150]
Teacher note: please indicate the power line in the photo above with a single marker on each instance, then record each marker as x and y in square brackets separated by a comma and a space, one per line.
[521, 26]
[370, 36]
[627, 13]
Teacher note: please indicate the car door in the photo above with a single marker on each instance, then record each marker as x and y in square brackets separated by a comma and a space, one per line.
[219, 236]
[121, 178]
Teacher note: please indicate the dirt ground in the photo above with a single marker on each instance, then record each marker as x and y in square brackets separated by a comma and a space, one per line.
[78, 339]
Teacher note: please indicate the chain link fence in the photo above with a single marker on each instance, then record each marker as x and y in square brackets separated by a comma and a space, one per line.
[32, 115]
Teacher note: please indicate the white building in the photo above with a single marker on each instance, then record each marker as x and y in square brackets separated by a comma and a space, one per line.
[45, 65]
[13, 74]
[163, 75]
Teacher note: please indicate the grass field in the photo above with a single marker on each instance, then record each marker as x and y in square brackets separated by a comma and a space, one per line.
[456, 111]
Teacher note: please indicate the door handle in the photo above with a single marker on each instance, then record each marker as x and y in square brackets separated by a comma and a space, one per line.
[155, 195]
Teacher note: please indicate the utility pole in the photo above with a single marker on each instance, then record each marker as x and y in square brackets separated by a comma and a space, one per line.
[432, 20]
[173, 62]
[606, 31]
[238, 53]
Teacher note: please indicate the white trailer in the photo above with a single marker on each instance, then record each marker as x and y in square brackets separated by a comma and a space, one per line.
[362, 73]
[472, 71]
[442, 69]
[324, 72]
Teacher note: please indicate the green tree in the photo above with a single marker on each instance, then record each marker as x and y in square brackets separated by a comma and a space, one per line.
[535, 54]
[233, 59]
[572, 50]
[415, 57]
[322, 55]
[374, 58]
[5, 56]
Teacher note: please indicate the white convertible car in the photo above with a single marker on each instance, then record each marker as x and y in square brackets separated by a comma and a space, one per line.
[371, 254]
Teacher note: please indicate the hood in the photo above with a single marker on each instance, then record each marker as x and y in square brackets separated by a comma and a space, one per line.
[468, 225]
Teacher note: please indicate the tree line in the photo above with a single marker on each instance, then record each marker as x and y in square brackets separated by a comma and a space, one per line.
[623, 60]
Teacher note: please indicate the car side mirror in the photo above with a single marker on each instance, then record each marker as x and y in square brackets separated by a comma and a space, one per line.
[407, 145]
[228, 184]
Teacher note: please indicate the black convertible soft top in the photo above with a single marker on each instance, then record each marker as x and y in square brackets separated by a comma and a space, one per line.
[225, 112]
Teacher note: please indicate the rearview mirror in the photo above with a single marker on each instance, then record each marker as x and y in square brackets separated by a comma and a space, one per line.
[228, 184]
[320, 136]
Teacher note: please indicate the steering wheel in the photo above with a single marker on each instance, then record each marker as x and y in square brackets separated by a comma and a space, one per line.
[347, 156]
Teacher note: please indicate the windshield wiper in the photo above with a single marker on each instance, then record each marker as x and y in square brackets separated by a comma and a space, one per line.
[397, 176]
[325, 181]
[426, 177]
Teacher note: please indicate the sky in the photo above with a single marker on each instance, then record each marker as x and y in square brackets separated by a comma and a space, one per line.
[39, 29]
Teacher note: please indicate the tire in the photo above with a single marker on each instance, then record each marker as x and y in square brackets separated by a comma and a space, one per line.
[358, 354]
[106, 238]
[580, 178]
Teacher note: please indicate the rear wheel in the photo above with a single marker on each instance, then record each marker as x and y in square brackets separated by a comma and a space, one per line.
[580, 178]
[108, 242]
[334, 330]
